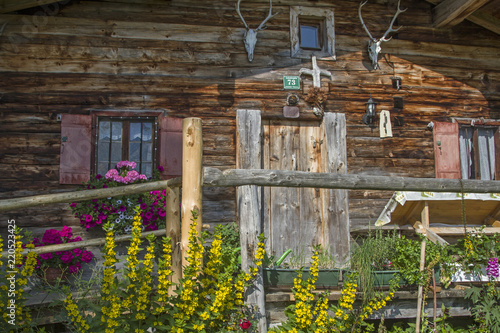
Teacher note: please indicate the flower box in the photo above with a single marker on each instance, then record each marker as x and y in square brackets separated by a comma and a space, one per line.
[283, 277]
[382, 278]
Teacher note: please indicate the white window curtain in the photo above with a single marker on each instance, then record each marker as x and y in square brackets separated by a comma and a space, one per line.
[486, 147]
[466, 147]
[486, 152]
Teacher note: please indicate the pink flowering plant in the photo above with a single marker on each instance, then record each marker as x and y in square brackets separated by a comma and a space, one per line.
[119, 210]
[70, 260]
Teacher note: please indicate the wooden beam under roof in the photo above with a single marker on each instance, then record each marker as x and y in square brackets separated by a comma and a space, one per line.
[483, 17]
[7, 6]
[451, 12]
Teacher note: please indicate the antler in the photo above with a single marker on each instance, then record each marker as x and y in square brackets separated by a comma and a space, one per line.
[389, 30]
[239, 13]
[361, 19]
[399, 11]
[261, 26]
[269, 16]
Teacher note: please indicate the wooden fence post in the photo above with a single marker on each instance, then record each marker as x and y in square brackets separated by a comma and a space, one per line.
[425, 223]
[173, 230]
[249, 146]
[192, 151]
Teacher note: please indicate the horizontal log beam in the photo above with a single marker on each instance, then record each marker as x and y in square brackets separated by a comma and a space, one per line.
[283, 178]
[451, 12]
[75, 196]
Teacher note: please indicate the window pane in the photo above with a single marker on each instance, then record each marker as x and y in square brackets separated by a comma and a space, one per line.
[103, 152]
[147, 152]
[116, 131]
[104, 130]
[466, 153]
[146, 169]
[309, 36]
[116, 152]
[147, 132]
[135, 152]
[135, 132]
[486, 147]
[102, 168]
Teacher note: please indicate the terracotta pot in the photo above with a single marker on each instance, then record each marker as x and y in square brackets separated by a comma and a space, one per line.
[54, 273]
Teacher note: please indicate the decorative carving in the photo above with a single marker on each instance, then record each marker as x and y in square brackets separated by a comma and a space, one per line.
[374, 45]
[250, 37]
[315, 96]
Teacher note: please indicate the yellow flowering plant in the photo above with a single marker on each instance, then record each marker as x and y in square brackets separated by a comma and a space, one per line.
[14, 272]
[311, 312]
[208, 298]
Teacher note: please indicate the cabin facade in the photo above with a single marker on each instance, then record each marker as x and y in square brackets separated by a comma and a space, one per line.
[73, 69]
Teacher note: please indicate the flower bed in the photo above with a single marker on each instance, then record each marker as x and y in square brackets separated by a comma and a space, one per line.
[120, 210]
[70, 260]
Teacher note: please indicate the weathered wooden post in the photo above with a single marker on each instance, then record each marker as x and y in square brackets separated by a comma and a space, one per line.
[192, 151]
[248, 143]
[173, 230]
[425, 223]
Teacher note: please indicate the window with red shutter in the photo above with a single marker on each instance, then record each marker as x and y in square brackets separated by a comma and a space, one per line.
[150, 140]
[76, 149]
[467, 149]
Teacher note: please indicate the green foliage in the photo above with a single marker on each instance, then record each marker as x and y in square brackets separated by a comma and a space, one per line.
[208, 298]
[406, 259]
[486, 307]
[373, 253]
[476, 249]
[230, 248]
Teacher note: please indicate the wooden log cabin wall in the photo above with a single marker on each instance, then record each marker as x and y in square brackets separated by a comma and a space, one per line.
[187, 58]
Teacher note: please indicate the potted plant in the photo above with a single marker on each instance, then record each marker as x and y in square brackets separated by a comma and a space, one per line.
[279, 274]
[120, 210]
[53, 265]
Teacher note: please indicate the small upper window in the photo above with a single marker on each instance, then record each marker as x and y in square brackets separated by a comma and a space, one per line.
[312, 32]
[311, 35]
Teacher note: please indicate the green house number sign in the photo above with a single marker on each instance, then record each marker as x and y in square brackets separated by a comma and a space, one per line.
[291, 82]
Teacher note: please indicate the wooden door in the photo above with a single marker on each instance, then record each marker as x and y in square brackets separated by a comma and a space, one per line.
[298, 218]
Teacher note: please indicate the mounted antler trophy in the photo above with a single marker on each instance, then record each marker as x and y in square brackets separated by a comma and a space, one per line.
[250, 37]
[374, 47]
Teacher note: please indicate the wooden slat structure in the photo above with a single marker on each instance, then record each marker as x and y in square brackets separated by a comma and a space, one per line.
[448, 213]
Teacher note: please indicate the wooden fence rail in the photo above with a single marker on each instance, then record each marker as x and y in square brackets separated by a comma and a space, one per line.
[263, 177]
[74, 196]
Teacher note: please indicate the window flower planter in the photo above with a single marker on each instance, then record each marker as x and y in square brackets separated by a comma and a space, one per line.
[283, 277]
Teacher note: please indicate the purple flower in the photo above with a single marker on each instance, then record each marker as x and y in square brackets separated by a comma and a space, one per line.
[67, 257]
[77, 252]
[122, 208]
[148, 216]
[143, 206]
[73, 204]
[73, 269]
[98, 176]
[88, 218]
[66, 232]
[46, 256]
[87, 256]
[160, 168]
[492, 268]
[51, 236]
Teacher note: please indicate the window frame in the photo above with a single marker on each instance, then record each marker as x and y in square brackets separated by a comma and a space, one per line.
[125, 115]
[322, 16]
[475, 125]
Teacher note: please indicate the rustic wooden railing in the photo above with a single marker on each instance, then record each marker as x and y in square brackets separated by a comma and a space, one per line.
[195, 177]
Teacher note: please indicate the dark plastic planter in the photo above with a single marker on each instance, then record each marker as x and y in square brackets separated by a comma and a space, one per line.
[283, 278]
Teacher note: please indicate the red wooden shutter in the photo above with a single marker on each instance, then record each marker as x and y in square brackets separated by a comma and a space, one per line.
[76, 149]
[170, 147]
[446, 150]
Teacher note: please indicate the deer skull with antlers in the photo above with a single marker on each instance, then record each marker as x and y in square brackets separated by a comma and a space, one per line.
[250, 37]
[374, 47]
